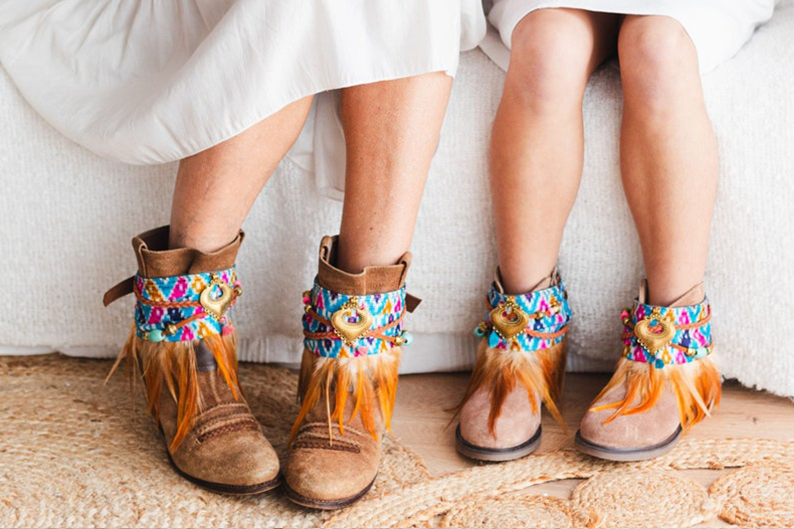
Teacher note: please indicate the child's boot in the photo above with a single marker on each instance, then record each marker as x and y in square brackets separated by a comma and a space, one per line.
[520, 364]
[665, 382]
[184, 344]
[353, 340]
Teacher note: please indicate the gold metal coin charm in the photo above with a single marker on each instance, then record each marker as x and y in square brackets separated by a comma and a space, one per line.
[349, 331]
[509, 325]
[217, 307]
[654, 341]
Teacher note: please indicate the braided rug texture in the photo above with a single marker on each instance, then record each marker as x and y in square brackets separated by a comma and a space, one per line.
[76, 454]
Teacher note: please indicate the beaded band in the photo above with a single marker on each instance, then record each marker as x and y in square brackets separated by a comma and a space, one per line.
[663, 336]
[339, 326]
[185, 308]
[529, 322]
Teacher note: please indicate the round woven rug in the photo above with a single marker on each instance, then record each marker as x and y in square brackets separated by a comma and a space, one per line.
[75, 454]
[760, 495]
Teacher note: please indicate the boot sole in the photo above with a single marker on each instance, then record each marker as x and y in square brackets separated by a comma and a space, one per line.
[222, 488]
[630, 454]
[481, 453]
[324, 505]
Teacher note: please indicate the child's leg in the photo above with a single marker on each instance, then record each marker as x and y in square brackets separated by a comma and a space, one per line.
[666, 380]
[537, 142]
[536, 166]
[349, 376]
[668, 153]
[216, 188]
[391, 131]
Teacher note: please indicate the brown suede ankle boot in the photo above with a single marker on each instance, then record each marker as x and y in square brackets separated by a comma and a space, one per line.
[520, 363]
[665, 382]
[184, 345]
[348, 382]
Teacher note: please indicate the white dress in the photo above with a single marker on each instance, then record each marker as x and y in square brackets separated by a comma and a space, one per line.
[718, 28]
[151, 81]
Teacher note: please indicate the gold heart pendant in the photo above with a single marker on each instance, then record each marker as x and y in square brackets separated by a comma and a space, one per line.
[349, 331]
[217, 307]
[650, 340]
[509, 325]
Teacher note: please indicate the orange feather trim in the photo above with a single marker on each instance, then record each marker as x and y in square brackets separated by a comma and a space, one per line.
[697, 386]
[363, 378]
[541, 372]
[172, 366]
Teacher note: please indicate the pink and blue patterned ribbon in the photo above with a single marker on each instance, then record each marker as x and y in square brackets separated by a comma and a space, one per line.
[548, 311]
[157, 308]
[691, 342]
[386, 309]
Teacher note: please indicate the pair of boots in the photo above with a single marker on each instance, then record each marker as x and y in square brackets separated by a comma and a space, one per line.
[665, 381]
[183, 344]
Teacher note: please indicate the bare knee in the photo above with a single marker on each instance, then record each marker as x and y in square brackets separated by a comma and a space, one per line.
[549, 60]
[658, 61]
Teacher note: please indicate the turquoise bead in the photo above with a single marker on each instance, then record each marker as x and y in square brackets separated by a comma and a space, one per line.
[408, 337]
[478, 332]
[155, 335]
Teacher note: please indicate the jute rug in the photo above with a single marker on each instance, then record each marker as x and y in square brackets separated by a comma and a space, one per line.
[75, 454]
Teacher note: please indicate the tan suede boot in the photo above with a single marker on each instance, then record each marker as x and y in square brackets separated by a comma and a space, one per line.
[354, 338]
[665, 382]
[520, 363]
[184, 344]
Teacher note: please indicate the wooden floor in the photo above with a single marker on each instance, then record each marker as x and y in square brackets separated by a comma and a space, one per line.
[420, 421]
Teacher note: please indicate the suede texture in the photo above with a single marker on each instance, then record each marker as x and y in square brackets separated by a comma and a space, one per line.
[325, 466]
[225, 445]
[640, 430]
[516, 424]
[627, 432]
[517, 421]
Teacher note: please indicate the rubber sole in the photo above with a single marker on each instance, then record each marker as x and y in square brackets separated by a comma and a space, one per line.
[222, 488]
[631, 454]
[325, 505]
[481, 453]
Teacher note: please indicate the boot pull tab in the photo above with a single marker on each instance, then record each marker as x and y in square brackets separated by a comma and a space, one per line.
[119, 291]
[411, 302]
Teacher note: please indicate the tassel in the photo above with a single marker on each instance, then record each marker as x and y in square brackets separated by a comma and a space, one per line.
[500, 370]
[697, 387]
[363, 378]
[173, 365]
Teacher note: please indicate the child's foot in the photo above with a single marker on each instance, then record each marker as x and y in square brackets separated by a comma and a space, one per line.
[665, 382]
[520, 364]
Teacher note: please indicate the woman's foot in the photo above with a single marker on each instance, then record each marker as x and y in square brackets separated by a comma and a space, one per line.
[183, 345]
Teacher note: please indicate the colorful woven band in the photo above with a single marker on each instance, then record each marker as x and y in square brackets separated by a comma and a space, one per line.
[528, 322]
[663, 336]
[185, 308]
[339, 326]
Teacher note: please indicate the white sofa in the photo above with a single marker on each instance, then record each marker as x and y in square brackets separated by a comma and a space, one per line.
[68, 215]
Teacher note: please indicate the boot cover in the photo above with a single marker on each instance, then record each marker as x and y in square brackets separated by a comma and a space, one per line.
[353, 328]
[183, 345]
[520, 365]
[665, 382]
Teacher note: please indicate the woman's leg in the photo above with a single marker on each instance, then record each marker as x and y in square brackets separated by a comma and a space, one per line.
[391, 131]
[216, 188]
[537, 142]
[668, 154]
